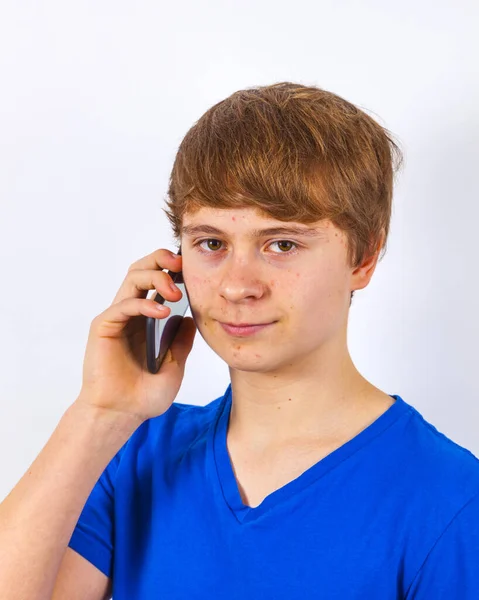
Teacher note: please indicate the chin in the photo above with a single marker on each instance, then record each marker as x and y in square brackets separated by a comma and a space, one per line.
[250, 361]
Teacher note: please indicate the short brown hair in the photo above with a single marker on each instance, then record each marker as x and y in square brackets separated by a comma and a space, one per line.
[295, 153]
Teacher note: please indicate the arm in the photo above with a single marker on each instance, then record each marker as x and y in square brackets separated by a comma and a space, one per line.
[39, 515]
[78, 579]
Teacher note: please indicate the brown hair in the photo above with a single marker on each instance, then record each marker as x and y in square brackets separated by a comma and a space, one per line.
[295, 153]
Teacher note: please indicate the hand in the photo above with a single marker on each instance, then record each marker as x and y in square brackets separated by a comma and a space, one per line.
[115, 374]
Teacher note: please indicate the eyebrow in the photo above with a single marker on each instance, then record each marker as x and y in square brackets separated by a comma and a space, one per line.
[191, 230]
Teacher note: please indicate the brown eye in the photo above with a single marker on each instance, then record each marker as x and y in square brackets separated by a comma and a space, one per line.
[283, 242]
[200, 248]
[289, 251]
[213, 240]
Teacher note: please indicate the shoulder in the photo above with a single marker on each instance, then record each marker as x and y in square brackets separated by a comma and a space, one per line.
[174, 431]
[431, 497]
[443, 463]
[436, 476]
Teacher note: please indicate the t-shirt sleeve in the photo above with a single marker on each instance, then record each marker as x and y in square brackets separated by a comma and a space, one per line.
[451, 569]
[93, 533]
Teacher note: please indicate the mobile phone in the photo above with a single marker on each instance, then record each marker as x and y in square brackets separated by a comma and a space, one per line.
[160, 333]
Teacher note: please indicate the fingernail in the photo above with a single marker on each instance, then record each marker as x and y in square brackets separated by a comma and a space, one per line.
[174, 287]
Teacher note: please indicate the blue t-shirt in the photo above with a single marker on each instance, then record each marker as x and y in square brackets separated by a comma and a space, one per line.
[391, 514]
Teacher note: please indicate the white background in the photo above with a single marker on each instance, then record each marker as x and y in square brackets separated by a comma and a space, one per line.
[95, 98]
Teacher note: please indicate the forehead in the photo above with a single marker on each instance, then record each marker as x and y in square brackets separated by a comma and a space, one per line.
[245, 219]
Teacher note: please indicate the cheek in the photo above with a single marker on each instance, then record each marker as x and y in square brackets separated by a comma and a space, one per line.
[297, 294]
[196, 284]
[198, 292]
[307, 286]
[314, 291]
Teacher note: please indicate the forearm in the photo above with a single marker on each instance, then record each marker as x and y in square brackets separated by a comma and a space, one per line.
[39, 515]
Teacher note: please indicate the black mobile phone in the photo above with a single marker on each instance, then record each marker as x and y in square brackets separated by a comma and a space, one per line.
[160, 333]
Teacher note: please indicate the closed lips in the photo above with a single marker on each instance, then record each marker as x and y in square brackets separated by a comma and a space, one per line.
[246, 324]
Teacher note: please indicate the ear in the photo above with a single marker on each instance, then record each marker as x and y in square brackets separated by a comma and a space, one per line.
[361, 276]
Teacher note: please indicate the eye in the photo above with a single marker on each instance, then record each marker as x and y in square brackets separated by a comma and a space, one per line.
[286, 242]
[200, 249]
[198, 244]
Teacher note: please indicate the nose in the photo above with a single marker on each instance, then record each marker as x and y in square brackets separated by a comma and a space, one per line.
[240, 280]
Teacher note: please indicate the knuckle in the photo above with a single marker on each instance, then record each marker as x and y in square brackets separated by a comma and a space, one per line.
[161, 281]
[163, 277]
[95, 321]
[163, 254]
[148, 279]
[131, 274]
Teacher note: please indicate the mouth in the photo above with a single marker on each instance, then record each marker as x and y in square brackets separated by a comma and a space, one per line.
[243, 330]
[246, 324]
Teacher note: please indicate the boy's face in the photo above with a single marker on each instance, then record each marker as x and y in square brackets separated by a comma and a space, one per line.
[233, 277]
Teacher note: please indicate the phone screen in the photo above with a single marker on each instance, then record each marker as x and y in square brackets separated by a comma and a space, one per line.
[160, 333]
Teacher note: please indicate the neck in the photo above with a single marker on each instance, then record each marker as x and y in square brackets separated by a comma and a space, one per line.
[318, 401]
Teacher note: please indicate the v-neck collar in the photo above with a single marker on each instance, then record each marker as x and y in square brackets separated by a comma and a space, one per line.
[225, 481]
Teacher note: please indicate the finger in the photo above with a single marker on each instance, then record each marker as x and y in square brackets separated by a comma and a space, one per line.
[137, 283]
[159, 259]
[112, 321]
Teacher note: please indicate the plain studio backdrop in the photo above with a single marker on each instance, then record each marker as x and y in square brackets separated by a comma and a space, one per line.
[95, 99]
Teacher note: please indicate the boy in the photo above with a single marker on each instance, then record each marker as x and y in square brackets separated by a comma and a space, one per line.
[303, 480]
